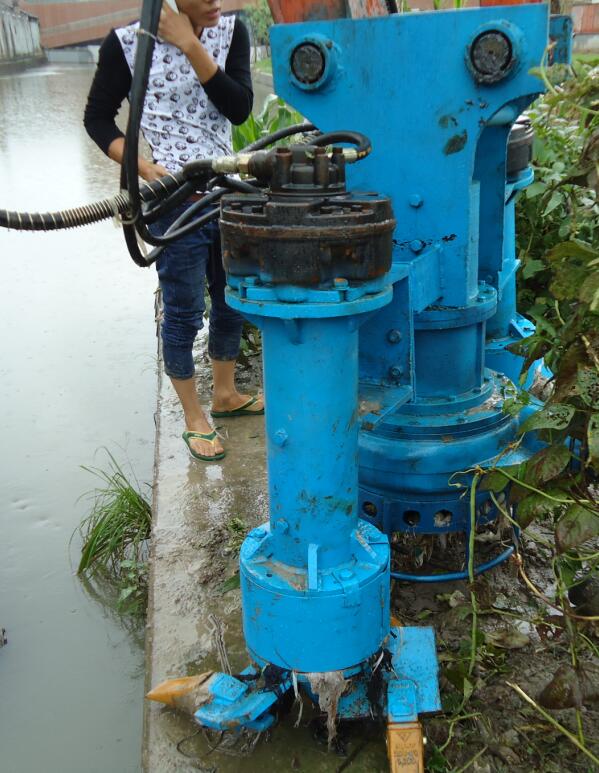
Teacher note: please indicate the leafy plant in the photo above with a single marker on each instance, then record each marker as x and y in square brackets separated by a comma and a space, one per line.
[238, 530]
[275, 114]
[115, 535]
[553, 493]
[260, 21]
[559, 248]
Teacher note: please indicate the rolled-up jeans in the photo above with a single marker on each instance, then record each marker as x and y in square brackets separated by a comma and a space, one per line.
[184, 267]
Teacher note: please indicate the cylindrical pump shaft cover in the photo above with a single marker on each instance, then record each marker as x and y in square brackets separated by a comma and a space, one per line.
[519, 147]
[307, 241]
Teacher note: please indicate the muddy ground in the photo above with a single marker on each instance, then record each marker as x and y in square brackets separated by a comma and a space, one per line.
[201, 516]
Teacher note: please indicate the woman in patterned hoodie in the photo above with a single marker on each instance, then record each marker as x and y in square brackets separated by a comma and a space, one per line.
[199, 84]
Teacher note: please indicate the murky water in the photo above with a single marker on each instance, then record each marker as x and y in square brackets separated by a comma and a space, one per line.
[77, 372]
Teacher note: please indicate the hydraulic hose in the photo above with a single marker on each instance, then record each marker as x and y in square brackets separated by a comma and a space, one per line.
[90, 213]
[66, 218]
[168, 192]
[361, 141]
[281, 134]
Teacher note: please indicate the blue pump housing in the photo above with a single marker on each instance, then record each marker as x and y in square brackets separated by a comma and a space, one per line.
[439, 129]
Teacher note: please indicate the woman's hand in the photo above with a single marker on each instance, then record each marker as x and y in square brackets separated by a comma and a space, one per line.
[177, 29]
[150, 171]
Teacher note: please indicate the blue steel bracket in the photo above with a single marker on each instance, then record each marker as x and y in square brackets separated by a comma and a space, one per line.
[235, 703]
[415, 688]
[561, 38]
[386, 362]
[431, 180]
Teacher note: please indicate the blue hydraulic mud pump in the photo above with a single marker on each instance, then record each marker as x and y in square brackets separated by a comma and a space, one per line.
[382, 276]
[376, 359]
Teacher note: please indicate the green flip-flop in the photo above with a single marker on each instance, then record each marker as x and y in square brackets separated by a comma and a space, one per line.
[243, 410]
[209, 437]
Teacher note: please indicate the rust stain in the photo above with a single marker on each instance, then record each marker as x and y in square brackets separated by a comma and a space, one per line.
[447, 121]
[456, 143]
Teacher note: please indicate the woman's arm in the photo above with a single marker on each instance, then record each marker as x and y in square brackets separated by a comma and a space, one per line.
[230, 90]
[109, 88]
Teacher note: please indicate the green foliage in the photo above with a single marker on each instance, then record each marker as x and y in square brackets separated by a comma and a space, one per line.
[115, 535]
[238, 530]
[558, 243]
[260, 21]
[275, 115]
[559, 212]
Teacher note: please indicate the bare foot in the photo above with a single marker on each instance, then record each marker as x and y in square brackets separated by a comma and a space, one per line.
[203, 447]
[234, 400]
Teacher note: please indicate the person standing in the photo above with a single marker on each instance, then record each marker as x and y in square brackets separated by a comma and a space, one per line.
[199, 84]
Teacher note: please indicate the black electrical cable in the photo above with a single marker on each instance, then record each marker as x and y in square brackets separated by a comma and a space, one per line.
[183, 231]
[160, 208]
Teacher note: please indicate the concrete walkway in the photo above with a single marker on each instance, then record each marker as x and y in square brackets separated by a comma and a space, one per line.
[200, 512]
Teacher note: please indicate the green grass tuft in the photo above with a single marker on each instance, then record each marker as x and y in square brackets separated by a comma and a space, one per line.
[115, 535]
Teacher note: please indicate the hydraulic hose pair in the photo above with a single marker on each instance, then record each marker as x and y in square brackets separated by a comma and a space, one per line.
[166, 193]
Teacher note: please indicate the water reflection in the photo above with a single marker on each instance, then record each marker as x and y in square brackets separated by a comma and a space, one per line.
[77, 372]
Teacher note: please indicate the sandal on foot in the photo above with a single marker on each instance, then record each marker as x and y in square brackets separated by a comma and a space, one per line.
[209, 437]
[243, 410]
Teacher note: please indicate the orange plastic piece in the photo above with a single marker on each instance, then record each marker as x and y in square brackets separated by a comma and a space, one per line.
[290, 11]
[485, 3]
[173, 692]
[405, 747]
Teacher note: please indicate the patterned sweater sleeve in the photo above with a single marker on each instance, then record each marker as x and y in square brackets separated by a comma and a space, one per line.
[231, 90]
[110, 86]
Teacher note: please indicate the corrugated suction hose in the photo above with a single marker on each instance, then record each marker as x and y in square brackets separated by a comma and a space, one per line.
[118, 205]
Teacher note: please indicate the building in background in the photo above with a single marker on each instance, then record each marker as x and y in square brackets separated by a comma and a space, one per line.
[65, 23]
[81, 22]
[19, 35]
[586, 26]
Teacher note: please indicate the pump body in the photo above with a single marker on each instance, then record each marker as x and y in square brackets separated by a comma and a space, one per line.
[376, 367]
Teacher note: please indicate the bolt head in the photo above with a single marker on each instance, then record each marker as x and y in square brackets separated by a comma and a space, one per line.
[394, 336]
[415, 200]
[280, 437]
[416, 245]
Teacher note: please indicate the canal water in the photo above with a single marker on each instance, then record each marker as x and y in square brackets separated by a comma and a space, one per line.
[77, 375]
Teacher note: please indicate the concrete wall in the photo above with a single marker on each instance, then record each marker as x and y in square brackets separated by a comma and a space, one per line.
[70, 22]
[19, 36]
[586, 26]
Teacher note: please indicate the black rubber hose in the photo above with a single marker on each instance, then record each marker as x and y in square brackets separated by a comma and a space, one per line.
[361, 141]
[288, 131]
[160, 208]
[148, 27]
[89, 213]
[200, 221]
[68, 218]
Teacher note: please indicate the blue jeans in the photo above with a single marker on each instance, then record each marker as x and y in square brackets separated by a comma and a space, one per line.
[183, 268]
